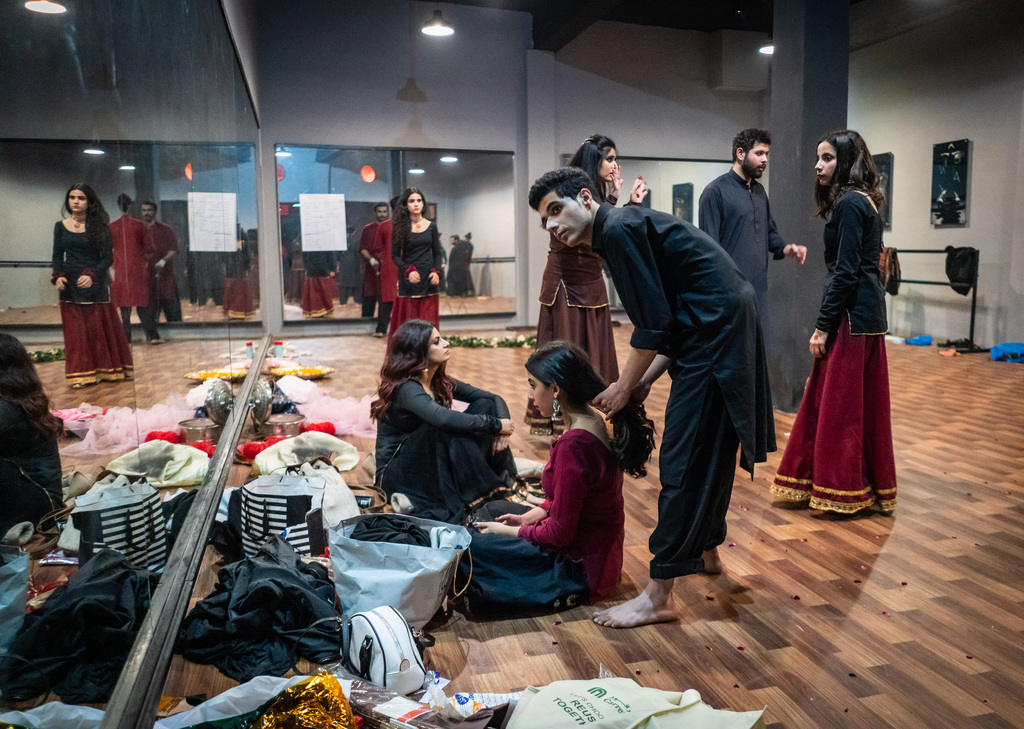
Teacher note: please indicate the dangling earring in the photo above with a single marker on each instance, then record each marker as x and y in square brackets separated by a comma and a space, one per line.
[557, 414]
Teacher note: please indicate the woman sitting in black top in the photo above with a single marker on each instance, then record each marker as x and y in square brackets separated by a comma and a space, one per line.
[29, 460]
[442, 460]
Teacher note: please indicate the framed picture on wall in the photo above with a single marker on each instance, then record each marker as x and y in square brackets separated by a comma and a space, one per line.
[949, 182]
[682, 201]
[883, 163]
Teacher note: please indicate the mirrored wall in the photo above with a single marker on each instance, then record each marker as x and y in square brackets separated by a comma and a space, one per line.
[196, 201]
[329, 196]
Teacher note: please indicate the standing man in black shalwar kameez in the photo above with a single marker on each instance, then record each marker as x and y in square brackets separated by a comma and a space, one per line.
[695, 316]
[734, 210]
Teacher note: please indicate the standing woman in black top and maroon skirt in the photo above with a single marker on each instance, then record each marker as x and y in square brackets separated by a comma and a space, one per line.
[839, 456]
[95, 346]
[416, 250]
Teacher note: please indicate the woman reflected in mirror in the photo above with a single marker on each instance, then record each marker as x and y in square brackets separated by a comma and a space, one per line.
[95, 346]
[416, 251]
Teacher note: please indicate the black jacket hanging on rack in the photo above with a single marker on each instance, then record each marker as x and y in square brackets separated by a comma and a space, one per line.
[961, 268]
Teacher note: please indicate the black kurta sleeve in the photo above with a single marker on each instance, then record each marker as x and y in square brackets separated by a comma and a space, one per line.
[627, 250]
[709, 212]
[850, 223]
[776, 243]
[414, 399]
[396, 255]
[467, 393]
[435, 247]
[58, 251]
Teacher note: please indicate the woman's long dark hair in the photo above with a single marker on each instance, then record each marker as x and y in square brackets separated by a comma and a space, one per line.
[566, 365]
[405, 360]
[855, 170]
[401, 224]
[589, 157]
[97, 221]
[20, 384]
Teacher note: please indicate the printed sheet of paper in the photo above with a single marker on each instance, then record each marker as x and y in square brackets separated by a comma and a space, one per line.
[212, 222]
[323, 223]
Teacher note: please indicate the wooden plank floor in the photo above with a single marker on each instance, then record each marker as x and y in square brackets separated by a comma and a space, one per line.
[914, 620]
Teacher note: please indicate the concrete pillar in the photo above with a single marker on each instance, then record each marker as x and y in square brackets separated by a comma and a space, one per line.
[810, 74]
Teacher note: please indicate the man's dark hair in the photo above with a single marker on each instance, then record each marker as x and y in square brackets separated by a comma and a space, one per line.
[746, 140]
[565, 181]
[394, 201]
[380, 205]
[124, 202]
[152, 204]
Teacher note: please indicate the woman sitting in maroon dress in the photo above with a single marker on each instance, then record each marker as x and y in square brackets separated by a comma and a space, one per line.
[416, 251]
[568, 548]
[95, 346]
[839, 456]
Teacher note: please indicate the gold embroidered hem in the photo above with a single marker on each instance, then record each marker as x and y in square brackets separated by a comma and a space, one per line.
[80, 379]
[817, 501]
[839, 506]
[789, 494]
[239, 314]
[788, 479]
[316, 314]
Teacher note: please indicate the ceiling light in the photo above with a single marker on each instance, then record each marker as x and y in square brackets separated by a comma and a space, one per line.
[282, 153]
[437, 25]
[768, 48]
[127, 168]
[45, 6]
[94, 151]
[416, 171]
[449, 158]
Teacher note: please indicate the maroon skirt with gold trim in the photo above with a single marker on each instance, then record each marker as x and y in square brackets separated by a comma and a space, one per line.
[318, 296]
[408, 307]
[839, 456]
[238, 298]
[95, 347]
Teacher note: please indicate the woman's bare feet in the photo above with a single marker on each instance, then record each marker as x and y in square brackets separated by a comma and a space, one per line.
[654, 605]
[712, 562]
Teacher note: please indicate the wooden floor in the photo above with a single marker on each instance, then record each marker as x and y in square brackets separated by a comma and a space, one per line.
[914, 620]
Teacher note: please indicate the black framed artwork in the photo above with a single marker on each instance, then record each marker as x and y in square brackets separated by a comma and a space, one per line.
[883, 163]
[949, 182]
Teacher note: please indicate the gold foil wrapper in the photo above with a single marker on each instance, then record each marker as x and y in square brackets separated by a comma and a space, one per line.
[316, 703]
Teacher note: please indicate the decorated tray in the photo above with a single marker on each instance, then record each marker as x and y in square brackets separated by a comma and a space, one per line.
[231, 374]
[306, 372]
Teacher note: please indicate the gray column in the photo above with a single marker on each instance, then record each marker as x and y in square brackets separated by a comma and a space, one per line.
[810, 73]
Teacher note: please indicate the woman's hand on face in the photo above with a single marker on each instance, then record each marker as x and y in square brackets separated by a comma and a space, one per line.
[639, 191]
[60, 283]
[616, 181]
[434, 278]
[414, 277]
[84, 282]
[818, 341]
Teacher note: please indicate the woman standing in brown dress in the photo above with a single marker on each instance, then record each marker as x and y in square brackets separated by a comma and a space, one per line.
[573, 295]
[95, 346]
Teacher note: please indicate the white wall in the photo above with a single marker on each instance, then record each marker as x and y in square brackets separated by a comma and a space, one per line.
[961, 77]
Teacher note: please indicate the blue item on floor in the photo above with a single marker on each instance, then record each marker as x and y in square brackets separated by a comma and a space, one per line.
[1008, 352]
[921, 340]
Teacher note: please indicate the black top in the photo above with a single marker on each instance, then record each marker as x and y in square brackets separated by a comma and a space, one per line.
[421, 254]
[853, 244]
[688, 300]
[74, 255]
[30, 469]
[319, 264]
[740, 219]
[414, 407]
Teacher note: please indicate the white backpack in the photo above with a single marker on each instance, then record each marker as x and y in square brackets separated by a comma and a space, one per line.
[383, 650]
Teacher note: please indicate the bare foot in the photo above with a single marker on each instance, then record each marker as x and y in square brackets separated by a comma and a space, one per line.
[712, 562]
[653, 605]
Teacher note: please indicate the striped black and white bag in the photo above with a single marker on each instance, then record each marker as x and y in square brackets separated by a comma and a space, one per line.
[278, 504]
[128, 519]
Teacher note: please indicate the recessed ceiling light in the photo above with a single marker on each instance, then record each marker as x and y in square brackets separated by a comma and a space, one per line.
[768, 48]
[94, 151]
[416, 171]
[127, 168]
[45, 6]
[449, 158]
[296, 205]
[282, 153]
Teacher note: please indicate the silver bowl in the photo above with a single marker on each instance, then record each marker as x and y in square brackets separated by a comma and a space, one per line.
[219, 401]
[199, 429]
[284, 424]
[261, 400]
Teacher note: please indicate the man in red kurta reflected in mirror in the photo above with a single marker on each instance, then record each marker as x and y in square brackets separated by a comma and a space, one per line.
[131, 274]
[162, 246]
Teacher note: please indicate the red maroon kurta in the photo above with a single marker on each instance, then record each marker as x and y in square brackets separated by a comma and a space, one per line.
[388, 269]
[131, 274]
[161, 240]
[371, 279]
[583, 485]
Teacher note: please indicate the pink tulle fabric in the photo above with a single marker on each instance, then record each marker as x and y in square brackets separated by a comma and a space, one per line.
[348, 415]
[120, 430]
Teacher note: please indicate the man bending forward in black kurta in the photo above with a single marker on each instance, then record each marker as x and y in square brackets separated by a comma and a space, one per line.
[695, 316]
